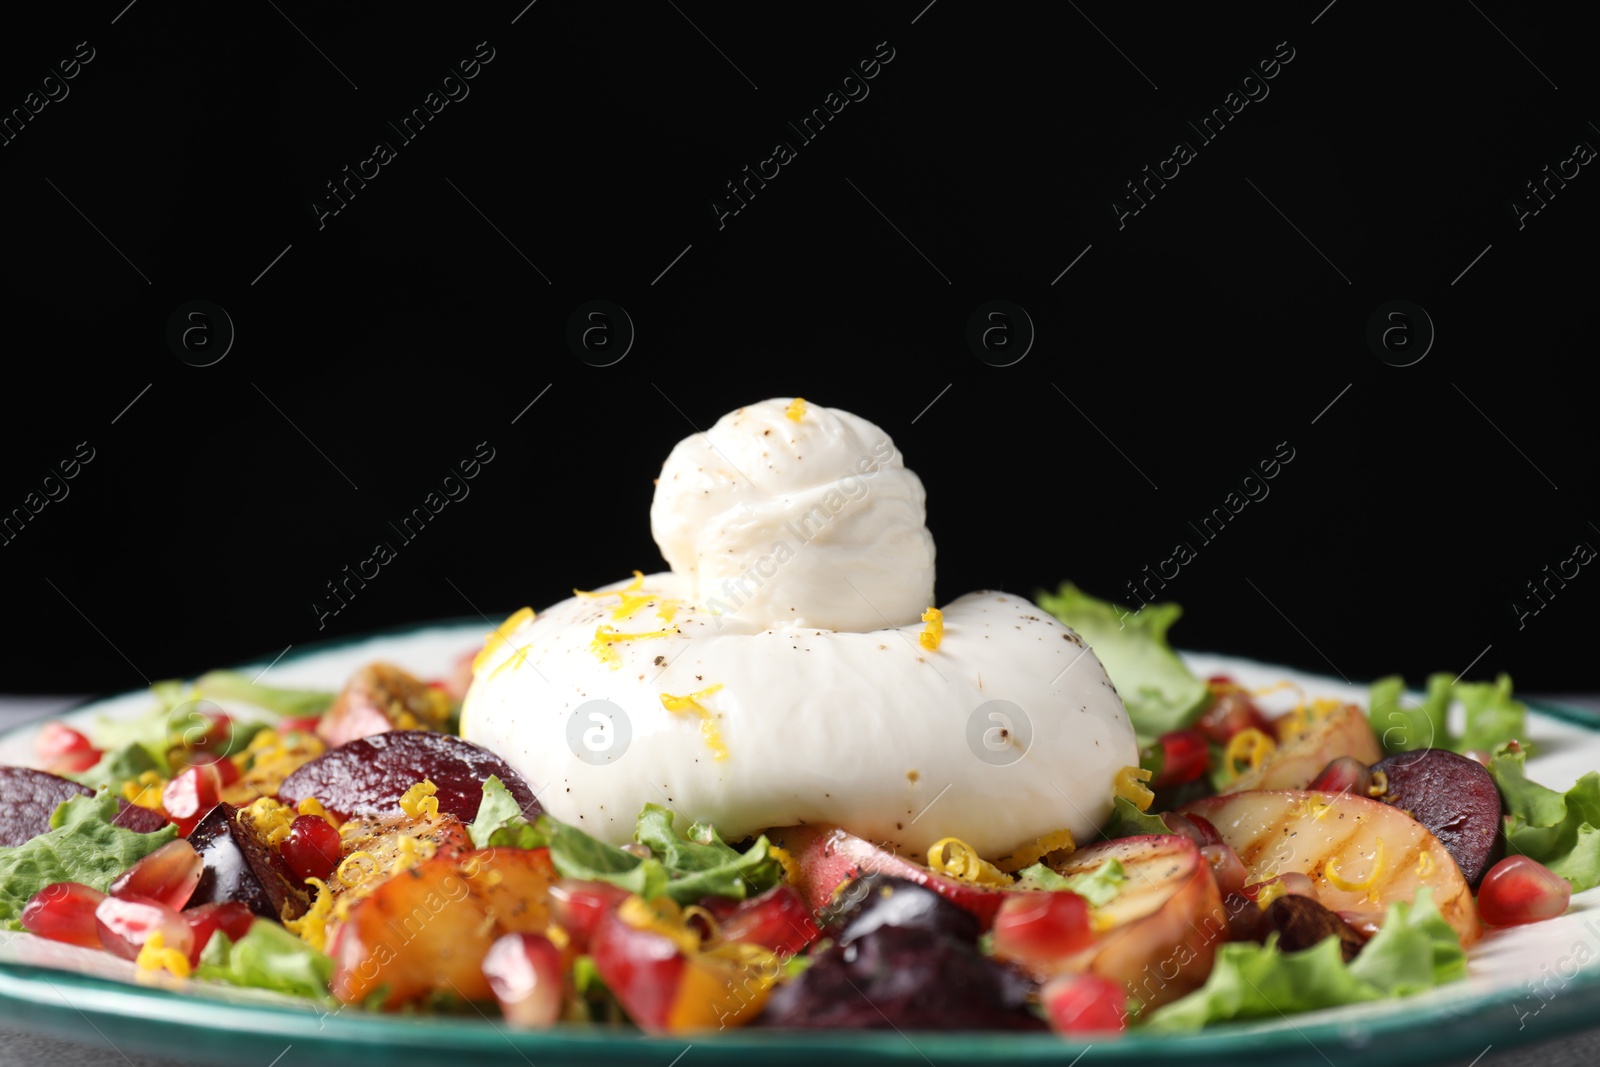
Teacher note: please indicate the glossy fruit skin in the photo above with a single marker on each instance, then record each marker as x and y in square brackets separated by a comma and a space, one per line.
[1343, 775]
[239, 865]
[1039, 928]
[313, 847]
[906, 979]
[1081, 1004]
[643, 970]
[1231, 710]
[879, 900]
[64, 750]
[778, 919]
[578, 906]
[369, 775]
[1185, 756]
[64, 911]
[1196, 828]
[525, 971]
[191, 795]
[1520, 890]
[168, 875]
[125, 925]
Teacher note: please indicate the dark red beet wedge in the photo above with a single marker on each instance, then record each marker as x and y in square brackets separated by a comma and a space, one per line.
[28, 798]
[241, 866]
[370, 775]
[1454, 797]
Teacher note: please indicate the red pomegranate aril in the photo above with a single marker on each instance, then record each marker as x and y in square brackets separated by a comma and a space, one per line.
[190, 796]
[777, 919]
[1196, 828]
[1344, 775]
[64, 911]
[306, 724]
[1186, 755]
[227, 770]
[1041, 927]
[578, 906]
[1231, 710]
[1085, 1004]
[1521, 890]
[64, 750]
[525, 972]
[312, 849]
[168, 875]
[1226, 867]
[125, 925]
[232, 918]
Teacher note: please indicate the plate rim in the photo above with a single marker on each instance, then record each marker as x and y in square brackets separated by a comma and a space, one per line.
[137, 1012]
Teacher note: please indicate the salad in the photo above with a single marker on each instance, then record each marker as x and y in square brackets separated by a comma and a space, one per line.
[618, 812]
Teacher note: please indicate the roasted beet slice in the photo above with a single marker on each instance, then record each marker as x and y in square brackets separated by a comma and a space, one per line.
[1454, 797]
[381, 697]
[1303, 923]
[370, 775]
[28, 798]
[240, 866]
[904, 978]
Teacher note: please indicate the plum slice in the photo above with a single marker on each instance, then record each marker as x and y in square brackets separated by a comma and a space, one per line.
[241, 866]
[381, 697]
[1454, 797]
[368, 776]
[28, 798]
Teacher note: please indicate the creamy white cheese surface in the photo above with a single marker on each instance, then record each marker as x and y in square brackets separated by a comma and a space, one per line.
[781, 672]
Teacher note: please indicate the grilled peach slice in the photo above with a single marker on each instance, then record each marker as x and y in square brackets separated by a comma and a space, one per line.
[1360, 854]
[1343, 732]
[428, 929]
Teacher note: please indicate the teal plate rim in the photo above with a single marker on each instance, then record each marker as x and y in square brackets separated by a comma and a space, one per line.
[153, 1020]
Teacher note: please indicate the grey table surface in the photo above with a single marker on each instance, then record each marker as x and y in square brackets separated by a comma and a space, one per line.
[19, 1046]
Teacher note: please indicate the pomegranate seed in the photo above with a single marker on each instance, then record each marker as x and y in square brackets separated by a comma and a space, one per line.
[1185, 756]
[64, 750]
[1085, 1004]
[525, 971]
[578, 906]
[168, 875]
[1520, 890]
[190, 796]
[232, 918]
[1344, 775]
[313, 848]
[1226, 867]
[1231, 710]
[777, 919]
[125, 925]
[1196, 828]
[305, 725]
[227, 770]
[64, 911]
[57, 739]
[1039, 928]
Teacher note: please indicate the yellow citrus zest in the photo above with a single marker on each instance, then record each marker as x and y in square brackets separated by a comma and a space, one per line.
[419, 801]
[1424, 864]
[268, 818]
[352, 871]
[667, 609]
[145, 790]
[1129, 784]
[154, 955]
[1028, 855]
[660, 916]
[1249, 746]
[1266, 894]
[933, 632]
[796, 409]
[632, 587]
[497, 637]
[605, 637]
[791, 869]
[953, 857]
[313, 806]
[1340, 882]
[708, 722]
[312, 927]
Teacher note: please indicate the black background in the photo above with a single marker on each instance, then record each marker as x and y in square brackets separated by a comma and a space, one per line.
[1177, 352]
